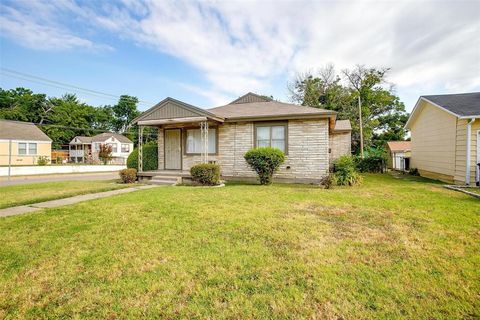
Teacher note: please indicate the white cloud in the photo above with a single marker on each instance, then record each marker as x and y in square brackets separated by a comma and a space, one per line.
[33, 25]
[240, 46]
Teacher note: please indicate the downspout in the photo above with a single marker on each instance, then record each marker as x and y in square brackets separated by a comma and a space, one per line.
[469, 151]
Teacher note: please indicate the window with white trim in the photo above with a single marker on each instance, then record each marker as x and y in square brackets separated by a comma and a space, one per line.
[193, 141]
[271, 136]
[125, 147]
[114, 147]
[25, 148]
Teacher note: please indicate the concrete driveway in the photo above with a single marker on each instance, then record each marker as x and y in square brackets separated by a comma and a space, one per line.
[58, 177]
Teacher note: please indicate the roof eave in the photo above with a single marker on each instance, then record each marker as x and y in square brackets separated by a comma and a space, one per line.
[280, 117]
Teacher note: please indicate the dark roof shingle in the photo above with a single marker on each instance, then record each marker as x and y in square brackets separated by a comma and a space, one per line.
[18, 130]
[461, 104]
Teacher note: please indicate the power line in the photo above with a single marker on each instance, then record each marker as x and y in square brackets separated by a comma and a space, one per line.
[62, 85]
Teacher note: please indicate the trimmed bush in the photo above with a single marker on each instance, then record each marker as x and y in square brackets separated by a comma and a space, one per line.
[373, 163]
[207, 174]
[345, 172]
[150, 157]
[128, 175]
[42, 161]
[265, 161]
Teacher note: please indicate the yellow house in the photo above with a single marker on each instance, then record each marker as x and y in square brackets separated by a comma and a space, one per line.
[22, 143]
[445, 134]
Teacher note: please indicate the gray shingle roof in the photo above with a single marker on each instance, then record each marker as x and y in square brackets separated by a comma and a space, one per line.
[107, 135]
[462, 104]
[18, 130]
[82, 139]
[266, 109]
[343, 125]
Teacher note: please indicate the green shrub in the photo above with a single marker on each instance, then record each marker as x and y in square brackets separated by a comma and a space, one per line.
[206, 173]
[346, 172]
[371, 163]
[42, 161]
[265, 161]
[128, 175]
[414, 172]
[150, 157]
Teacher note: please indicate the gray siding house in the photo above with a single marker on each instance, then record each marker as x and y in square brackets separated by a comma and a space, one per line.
[310, 137]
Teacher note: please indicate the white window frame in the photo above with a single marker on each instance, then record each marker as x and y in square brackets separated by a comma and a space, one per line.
[27, 148]
[127, 145]
[210, 145]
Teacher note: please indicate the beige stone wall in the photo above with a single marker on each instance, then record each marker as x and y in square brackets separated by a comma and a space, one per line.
[340, 144]
[307, 159]
[44, 149]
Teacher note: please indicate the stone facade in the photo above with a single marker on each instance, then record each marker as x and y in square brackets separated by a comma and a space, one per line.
[340, 144]
[307, 159]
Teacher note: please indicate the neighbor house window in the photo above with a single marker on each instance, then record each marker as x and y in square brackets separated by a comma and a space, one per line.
[114, 147]
[271, 135]
[32, 148]
[125, 147]
[194, 143]
[25, 148]
[97, 146]
[22, 148]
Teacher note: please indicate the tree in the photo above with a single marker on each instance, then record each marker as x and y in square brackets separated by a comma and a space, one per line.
[105, 153]
[383, 114]
[124, 112]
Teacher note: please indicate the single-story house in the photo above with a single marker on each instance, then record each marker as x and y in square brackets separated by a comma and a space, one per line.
[23, 143]
[399, 155]
[84, 149]
[187, 135]
[445, 134]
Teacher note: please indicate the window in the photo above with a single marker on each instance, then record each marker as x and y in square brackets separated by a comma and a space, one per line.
[271, 136]
[25, 148]
[22, 148]
[114, 147]
[125, 147]
[32, 148]
[97, 146]
[194, 144]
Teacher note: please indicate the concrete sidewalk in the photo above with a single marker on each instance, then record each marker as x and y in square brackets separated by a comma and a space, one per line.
[67, 201]
[57, 177]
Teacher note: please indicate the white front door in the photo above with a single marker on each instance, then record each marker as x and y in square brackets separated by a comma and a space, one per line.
[173, 149]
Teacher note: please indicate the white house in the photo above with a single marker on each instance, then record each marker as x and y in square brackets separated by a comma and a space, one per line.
[85, 149]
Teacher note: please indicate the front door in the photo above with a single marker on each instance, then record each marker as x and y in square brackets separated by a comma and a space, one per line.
[173, 149]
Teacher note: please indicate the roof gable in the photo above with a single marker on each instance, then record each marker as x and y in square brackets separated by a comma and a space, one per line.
[399, 145]
[249, 98]
[170, 108]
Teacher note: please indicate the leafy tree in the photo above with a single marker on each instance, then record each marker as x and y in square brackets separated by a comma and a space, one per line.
[124, 112]
[105, 153]
[383, 114]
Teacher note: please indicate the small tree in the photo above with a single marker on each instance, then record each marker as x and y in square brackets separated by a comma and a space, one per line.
[105, 153]
[265, 161]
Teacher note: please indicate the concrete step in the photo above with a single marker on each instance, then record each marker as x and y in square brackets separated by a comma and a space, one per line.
[162, 182]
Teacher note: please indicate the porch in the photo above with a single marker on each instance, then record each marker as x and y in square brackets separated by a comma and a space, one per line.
[187, 135]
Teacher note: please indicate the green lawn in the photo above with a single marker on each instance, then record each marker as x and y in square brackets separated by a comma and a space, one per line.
[393, 248]
[36, 192]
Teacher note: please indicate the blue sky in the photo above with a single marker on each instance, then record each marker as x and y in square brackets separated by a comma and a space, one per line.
[208, 53]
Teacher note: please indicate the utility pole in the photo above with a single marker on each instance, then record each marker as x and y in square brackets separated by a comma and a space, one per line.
[361, 123]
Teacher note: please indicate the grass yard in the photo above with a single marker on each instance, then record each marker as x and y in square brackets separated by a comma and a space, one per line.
[37, 192]
[393, 248]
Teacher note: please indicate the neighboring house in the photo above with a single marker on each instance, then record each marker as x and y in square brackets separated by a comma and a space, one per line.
[399, 153]
[85, 149]
[445, 134]
[22, 143]
[310, 137]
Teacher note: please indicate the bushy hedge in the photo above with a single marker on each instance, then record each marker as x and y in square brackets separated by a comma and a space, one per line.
[128, 175]
[373, 163]
[150, 157]
[265, 161]
[346, 173]
[206, 173]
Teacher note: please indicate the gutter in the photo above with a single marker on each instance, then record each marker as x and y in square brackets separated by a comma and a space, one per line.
[469, 151]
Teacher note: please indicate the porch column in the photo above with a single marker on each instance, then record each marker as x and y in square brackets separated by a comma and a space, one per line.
[204, 138]
[140, 148]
